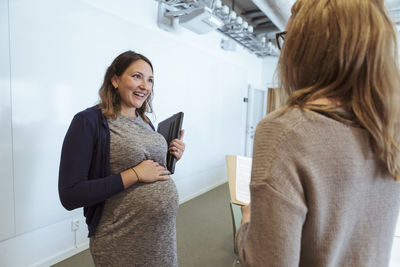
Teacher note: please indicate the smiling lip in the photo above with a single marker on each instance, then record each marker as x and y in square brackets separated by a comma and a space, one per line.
[139, 95]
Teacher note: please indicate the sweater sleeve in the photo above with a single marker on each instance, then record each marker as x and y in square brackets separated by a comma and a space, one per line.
[75, 188]
[278, 209]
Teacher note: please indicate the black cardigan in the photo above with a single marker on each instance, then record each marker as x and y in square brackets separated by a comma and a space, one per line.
[84, 175]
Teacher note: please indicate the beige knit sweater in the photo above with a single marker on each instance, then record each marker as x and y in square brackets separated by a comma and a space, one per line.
[318, 197]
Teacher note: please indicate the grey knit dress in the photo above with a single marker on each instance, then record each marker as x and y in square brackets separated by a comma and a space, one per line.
[138, 225]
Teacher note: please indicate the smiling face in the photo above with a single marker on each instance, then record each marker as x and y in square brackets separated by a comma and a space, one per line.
[134, 86]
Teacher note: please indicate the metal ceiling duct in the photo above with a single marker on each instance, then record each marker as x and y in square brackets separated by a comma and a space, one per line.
[250, 28]
[278, 11]
[202, 16]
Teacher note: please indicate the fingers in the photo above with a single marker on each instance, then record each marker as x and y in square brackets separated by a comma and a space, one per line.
[163, 177]
[163, 173]
[154, 164]
[161, 169]
[173, 149]
[176, 148]
[177, 155]
[178, 144]
[176, 152]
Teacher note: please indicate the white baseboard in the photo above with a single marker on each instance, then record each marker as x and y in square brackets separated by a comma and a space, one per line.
[62, 256]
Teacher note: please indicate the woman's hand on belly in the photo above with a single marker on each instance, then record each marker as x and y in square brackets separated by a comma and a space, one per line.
[146, 172]
[150, 171]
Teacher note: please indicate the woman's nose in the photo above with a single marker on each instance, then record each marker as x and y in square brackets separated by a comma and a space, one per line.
[144, 85]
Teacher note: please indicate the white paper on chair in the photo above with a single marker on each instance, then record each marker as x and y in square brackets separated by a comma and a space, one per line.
[243, 174]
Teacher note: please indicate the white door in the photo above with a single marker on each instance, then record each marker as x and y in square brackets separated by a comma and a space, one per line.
[256, 110]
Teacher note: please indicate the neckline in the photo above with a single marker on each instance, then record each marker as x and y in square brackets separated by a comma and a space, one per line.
[337, 113]
[130, 118]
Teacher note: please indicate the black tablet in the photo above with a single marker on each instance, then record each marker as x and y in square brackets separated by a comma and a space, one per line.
[170, 129]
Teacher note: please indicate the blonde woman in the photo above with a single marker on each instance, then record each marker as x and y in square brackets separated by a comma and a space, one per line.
[324, 186]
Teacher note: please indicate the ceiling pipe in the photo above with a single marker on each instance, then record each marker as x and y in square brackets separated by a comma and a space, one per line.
[265, 29]
[277, 11]
[260, 21]
[253, 14]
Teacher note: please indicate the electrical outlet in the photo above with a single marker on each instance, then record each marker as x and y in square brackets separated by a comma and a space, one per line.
[74, 225]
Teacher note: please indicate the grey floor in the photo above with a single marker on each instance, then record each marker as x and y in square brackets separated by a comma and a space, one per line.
[204, 233]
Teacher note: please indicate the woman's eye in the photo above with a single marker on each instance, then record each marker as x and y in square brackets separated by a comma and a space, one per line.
[136, 76]
[150, 80]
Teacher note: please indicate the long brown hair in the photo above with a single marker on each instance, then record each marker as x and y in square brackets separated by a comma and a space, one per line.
[347, 50]
[110, 100]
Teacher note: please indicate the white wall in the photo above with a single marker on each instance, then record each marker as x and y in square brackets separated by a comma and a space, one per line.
[269, 78]
[6, 176]
[53, 55]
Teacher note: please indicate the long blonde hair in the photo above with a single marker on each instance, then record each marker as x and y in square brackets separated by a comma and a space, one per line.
[347, 50]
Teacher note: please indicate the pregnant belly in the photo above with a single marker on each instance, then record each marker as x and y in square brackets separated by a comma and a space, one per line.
[142, 203]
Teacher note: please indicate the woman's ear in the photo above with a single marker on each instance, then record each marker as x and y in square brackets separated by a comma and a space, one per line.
[114, 81]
